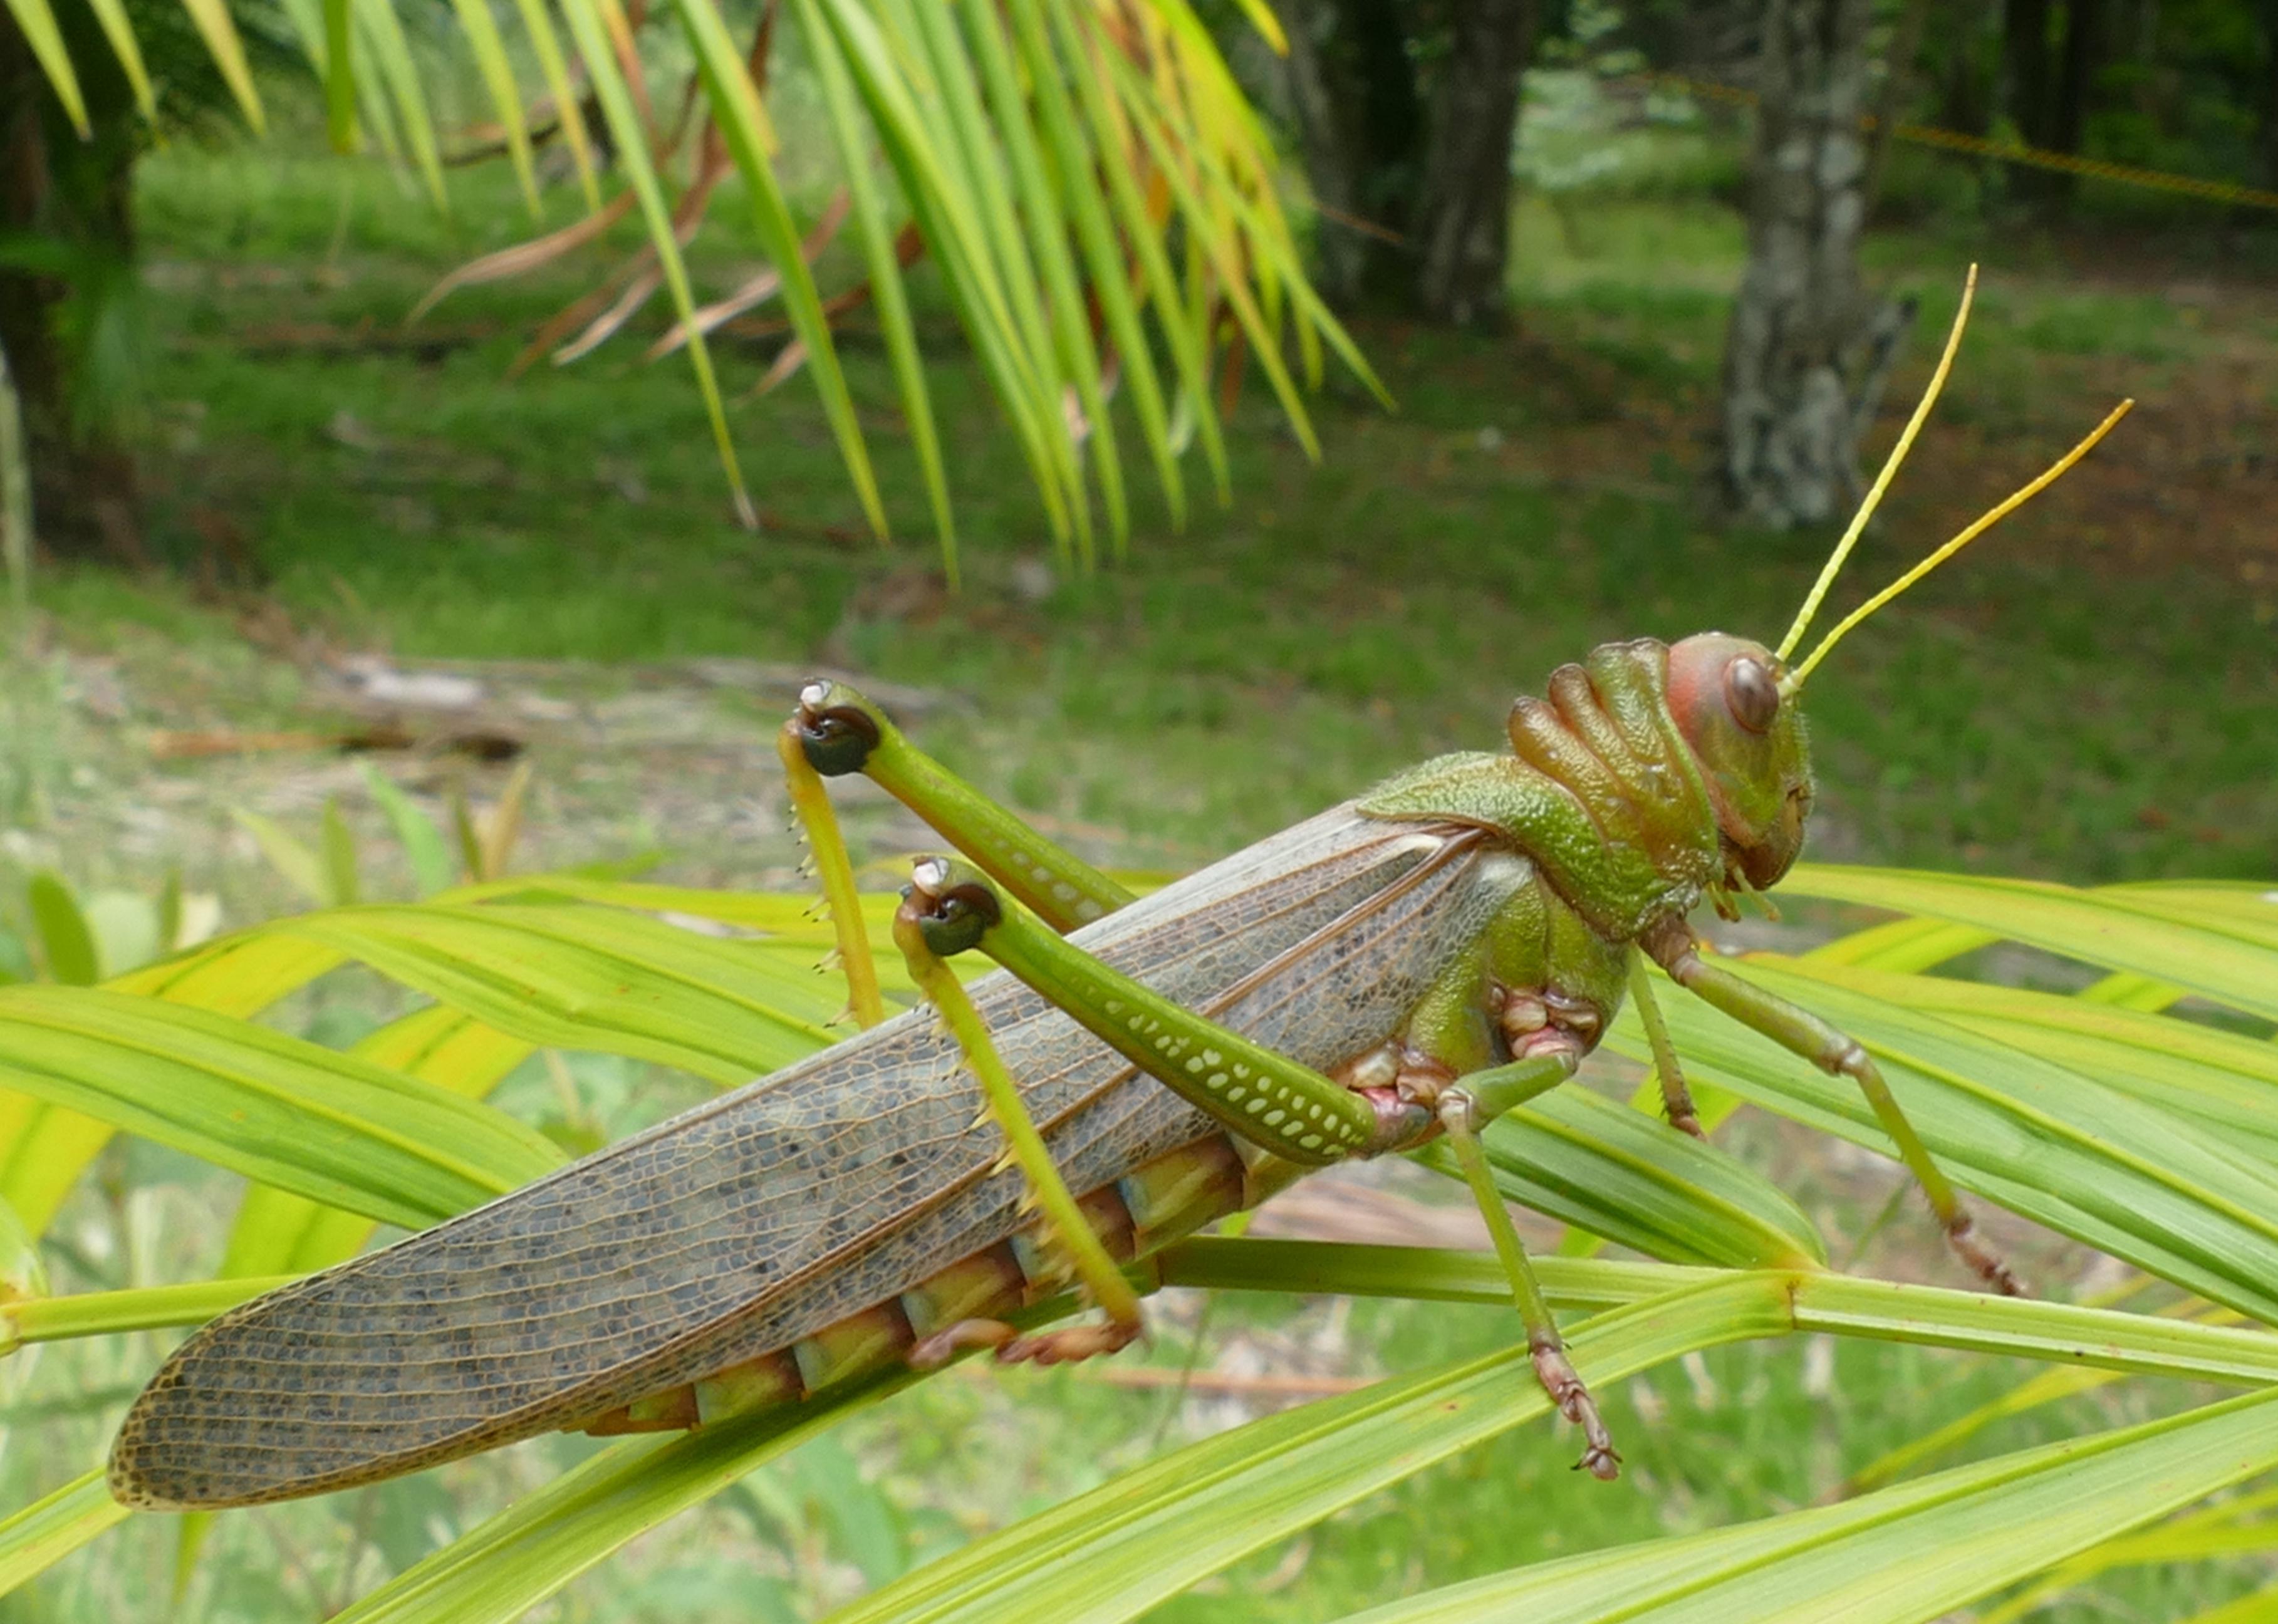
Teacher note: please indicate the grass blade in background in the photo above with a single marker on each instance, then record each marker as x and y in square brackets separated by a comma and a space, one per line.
[631, 137]
[213, 21]
[938, 197]
[119, 28]
[37, 22]
[545, 45]
[425, 847]
[65, 942]
[336, 66]
[979, 153]
[881, 260]
[1073, 168]
[736, 109]
[488, 49]
[1048, 250]
[381, 35]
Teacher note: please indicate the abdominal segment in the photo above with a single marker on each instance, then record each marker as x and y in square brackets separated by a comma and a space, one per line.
[1144, 1210]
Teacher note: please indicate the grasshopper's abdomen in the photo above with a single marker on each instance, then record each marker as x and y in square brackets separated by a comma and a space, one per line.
[1144, 1210]
[809, 1225]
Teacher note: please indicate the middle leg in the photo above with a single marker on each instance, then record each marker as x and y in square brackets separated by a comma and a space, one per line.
[1025, 1148]
[1270, 1100]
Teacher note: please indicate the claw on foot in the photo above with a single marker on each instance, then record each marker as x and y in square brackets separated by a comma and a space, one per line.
[1685, 1122]
[945, 1345]
[1600, 1459]
[1984, 1261]
[1070, 1343]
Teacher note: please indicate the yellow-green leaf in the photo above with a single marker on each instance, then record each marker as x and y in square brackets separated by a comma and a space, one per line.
[38, 22]
[330, 1127]
[49, 1529]
[1904, 1555]
[213, 21]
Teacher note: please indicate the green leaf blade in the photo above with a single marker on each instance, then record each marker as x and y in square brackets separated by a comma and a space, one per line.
[1900, 1556]
[275, 1108]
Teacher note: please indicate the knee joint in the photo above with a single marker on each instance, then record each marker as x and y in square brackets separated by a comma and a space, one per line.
[1844, 1058]
[837, 728]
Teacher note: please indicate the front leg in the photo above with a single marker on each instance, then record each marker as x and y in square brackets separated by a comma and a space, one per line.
[1837, 1052]
[1459, 1116]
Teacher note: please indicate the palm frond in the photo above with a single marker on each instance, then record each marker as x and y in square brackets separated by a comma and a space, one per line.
[2097, 1117]
[1042, 154]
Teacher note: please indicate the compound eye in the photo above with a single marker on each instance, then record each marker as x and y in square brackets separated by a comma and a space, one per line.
[1751, 693]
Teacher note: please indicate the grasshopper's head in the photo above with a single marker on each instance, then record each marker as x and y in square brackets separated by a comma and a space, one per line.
[1728, 698]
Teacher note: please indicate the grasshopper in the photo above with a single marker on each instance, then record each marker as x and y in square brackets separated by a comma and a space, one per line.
[1404, 967]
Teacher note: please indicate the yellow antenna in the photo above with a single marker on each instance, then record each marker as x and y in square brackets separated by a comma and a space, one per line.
[1994, 517]
[1834, 564]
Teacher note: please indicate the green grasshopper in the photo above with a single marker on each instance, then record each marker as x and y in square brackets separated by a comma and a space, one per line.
[1405, 966]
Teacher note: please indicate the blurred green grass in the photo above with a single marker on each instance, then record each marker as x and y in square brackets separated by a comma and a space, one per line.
[2087, 697]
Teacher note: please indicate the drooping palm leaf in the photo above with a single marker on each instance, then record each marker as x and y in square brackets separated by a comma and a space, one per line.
[1044, 153]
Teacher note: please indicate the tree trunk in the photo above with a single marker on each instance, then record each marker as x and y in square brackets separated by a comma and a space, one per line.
[1415, 203]
[1360, 124]
[2269, 13]
[2084, 55]
[2025, 67]
[1967, 85]
[77, 195]
[1809, 350]
[1891, 105]
[2050, 86]
[1463, 224]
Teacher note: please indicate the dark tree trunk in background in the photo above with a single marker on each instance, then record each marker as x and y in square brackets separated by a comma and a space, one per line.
[1809, 348]
[2049, 85]
[2269, 14]
[2025, 67]
[1410, 164]
[1360, 125]
[77, 196]
[1464, 228]
[1965, 100]
[2083, 57]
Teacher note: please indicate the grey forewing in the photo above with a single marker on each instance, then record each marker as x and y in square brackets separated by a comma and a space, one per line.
[762, 1216]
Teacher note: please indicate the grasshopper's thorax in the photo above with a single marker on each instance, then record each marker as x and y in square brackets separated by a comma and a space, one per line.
[1645, 777]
